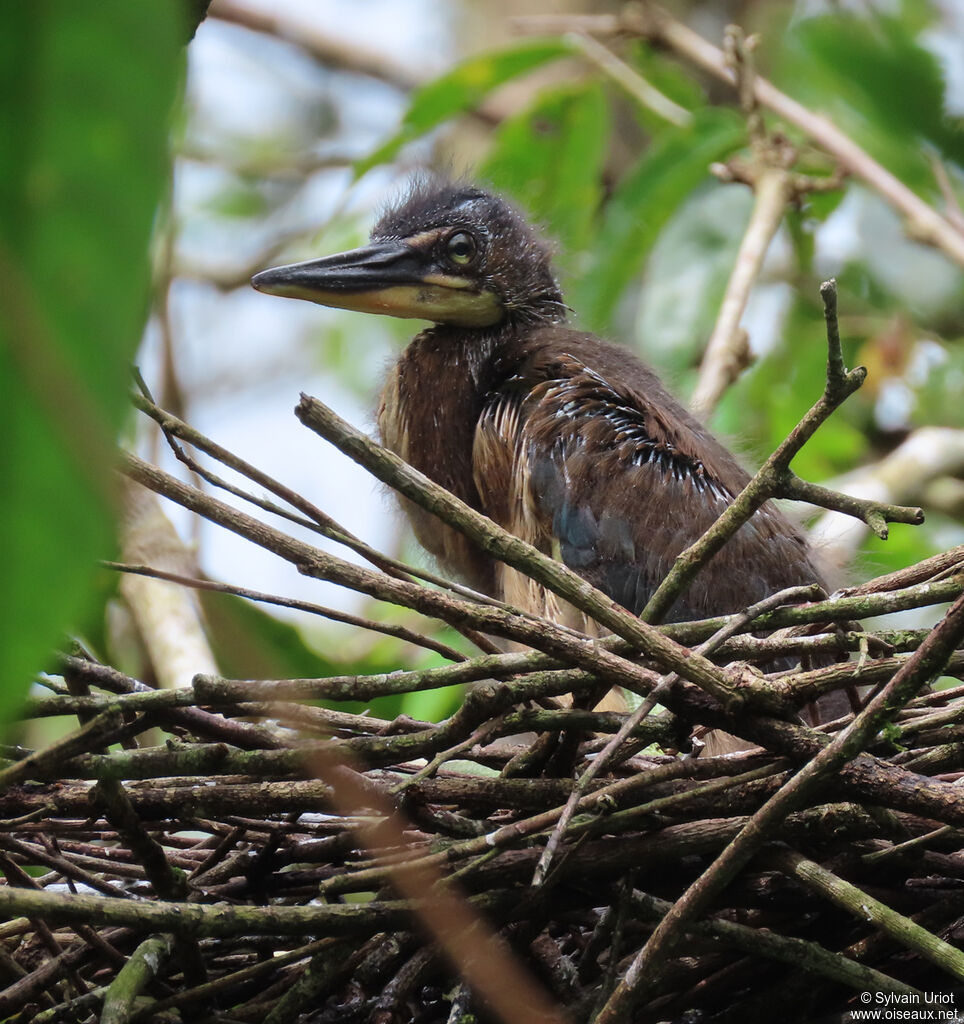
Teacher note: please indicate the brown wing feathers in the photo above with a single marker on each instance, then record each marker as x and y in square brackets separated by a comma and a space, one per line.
[595, 472]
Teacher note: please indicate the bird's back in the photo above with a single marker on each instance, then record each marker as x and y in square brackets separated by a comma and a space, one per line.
[573, 444]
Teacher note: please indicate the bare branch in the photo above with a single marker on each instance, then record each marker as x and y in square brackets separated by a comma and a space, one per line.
[774, 479]
[646, 94]
[331, 52]
[727, 352]
[389, 629]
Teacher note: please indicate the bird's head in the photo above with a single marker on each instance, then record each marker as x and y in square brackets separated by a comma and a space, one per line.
[452, 254]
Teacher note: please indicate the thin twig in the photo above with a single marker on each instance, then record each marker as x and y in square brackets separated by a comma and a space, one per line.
[727, 352]
[775, 480]
[645, 93]
[326, 49]
[389, 629]
[738, 621]
[855, 901]
[920, 667]
[312, 517]
[797, 952]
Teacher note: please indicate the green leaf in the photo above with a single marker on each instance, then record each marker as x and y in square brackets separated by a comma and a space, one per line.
[882, 86]
[938, 395]
[250, 643]
[432, 705]
[687, 272]
[461, 89]
[85, 96]
[550, 158]
[642, 203]
[238, 200]
[667, 75]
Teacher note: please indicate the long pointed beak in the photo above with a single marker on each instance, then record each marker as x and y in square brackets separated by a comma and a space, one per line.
[386, 277]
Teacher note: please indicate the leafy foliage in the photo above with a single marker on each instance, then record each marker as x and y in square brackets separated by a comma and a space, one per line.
[882, 82]
[627, 196]
[673, 166]
[84, 104]
[461, 89]
[551, 158]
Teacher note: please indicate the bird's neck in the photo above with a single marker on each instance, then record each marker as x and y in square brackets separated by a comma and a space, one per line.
[429, 407]
[433, 398]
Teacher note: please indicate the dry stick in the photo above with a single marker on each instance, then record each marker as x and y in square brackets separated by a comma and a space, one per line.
[727, 352]
[176, 703]
[227, 692]
[775, 480]
[801, 953]
[928, 660]
[513, 625]
[33, 854]
[863, 906]
[849, 606]
[390, 1004]
[204, 920]
[898, 849]
[97, 732]
[313, 982]
[941, 574]
[644, 92]
[954, 212]
[601, 760]
[936, 567]
[141, 968]
[327, 49]
[399, 632]
[482, 733]
[312, 517]
[71, 1008]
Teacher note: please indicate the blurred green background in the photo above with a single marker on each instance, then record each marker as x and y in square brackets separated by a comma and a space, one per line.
[294, 124]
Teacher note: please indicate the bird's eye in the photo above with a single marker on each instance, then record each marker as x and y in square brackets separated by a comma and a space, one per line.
[461, 248]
